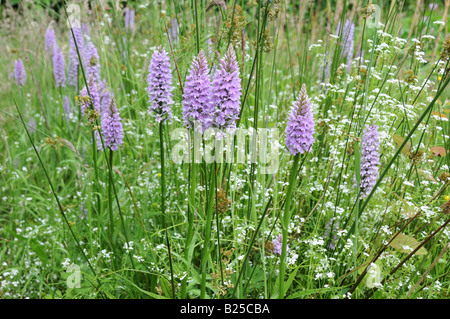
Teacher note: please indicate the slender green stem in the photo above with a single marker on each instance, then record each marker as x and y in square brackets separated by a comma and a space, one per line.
[192, 182]
[219, 255]
[285, 222]
[197, 28]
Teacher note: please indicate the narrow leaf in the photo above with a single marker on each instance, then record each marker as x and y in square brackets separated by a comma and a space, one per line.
[406, 150]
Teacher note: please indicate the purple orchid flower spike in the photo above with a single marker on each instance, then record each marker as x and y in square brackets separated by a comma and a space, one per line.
[112, 126]
[159, 87]
[59, 70]
[347, 41]
[19, 72]
[300, 126]
[74, 61]
[50, 40]
[370, 159]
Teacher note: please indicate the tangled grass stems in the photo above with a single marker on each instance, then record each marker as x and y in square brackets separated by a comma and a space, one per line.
[56, 198]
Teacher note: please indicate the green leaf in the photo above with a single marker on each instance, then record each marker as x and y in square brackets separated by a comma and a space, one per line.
[406, 150]
[288, 283]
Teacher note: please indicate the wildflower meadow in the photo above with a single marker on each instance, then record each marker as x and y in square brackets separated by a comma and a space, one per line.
[225, 149]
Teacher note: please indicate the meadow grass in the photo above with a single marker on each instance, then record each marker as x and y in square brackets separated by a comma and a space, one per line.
[138, 224]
